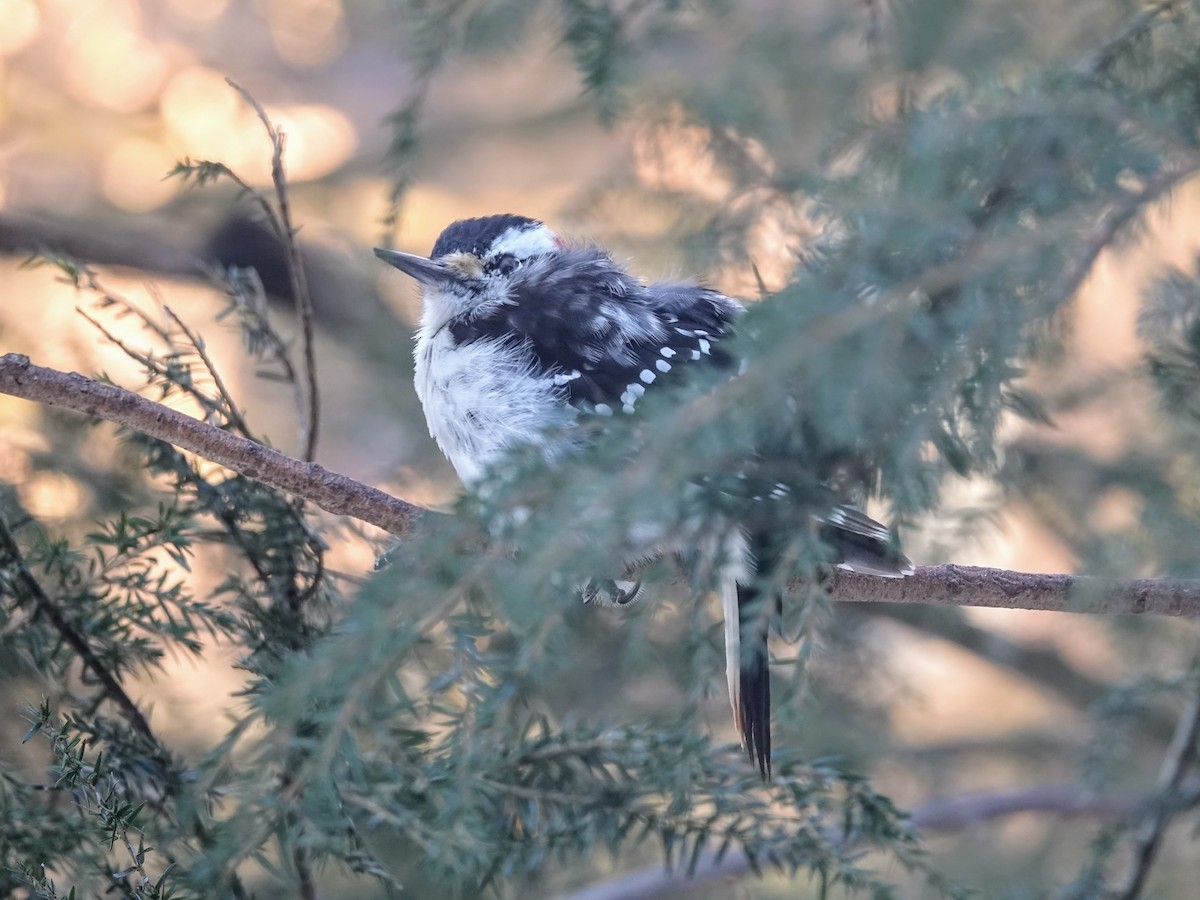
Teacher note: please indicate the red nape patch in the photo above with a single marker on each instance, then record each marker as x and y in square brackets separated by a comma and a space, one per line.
[559, 242]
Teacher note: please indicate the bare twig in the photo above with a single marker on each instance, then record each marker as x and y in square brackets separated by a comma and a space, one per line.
[332, 492]
[222, 405]
[235, 416]
[309, 428]
[152, 364]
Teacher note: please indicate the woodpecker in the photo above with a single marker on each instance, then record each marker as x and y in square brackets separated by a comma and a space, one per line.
[523, 334]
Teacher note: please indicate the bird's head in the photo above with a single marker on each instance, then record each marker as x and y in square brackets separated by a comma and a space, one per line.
[473, 261]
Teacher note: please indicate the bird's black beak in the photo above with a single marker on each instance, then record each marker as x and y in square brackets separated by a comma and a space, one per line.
[426, 271]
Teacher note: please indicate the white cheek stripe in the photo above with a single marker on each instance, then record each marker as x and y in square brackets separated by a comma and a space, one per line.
[524, 243]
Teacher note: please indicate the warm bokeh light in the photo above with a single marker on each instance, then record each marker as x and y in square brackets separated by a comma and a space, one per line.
[106, 61]
[671, 154]
[18, 438]
[198, 12]
[675, 156]
[197, 107]
[51, 495]
[950, 681]
[22, 22]
[207, 119]
[777, 231]
[132, 174]
[320, 138]
[307, 32]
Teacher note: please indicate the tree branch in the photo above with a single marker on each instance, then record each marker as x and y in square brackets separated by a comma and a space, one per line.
[1003, 589]
[948, 585]
[332, 492]
[940, 814]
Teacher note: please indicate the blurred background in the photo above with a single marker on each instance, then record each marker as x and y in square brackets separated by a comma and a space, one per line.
[481, 108]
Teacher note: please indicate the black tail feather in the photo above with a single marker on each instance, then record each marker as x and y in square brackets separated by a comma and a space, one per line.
[860, 544]
[754, 680]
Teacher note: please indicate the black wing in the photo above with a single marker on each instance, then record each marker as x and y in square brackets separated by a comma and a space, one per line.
[607, 337]
[861, 544]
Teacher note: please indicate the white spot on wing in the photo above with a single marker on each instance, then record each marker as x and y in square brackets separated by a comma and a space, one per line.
[647, 376]
[667, 352]
[662, 365]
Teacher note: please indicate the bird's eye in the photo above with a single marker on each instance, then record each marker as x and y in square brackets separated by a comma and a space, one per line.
[504, 265]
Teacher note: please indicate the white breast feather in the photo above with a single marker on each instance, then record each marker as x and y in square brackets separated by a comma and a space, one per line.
[482, 399]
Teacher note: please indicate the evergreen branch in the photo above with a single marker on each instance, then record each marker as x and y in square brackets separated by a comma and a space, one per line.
[1181, 755]
[1102, 221]
[299, 282]
[945, 814]
[1104, 231]
[70, 635]
[221, 406]
[334, 493]
[110, 685]
[1137, 27]
[205, 171]
[157, 368]
[1090, 228]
